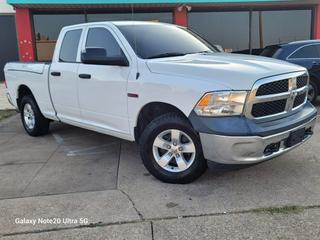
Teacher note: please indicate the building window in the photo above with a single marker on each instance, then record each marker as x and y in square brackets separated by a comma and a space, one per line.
[274, 27]
[155, 16]
[47, 29]
[47, 26]
[228, 29]
[249, 32]
[8, 40]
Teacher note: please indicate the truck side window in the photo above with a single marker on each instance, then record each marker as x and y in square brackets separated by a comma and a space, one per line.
[102, 38]
[69, 47]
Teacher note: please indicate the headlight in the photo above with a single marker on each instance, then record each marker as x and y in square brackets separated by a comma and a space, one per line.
[226, 103]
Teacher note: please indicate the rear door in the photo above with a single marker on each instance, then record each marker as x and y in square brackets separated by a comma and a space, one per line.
[307, 56]
[103, 92]
[64, 76]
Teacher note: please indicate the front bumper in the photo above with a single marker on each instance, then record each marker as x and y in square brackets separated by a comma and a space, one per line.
[249, 149]
[238, 140]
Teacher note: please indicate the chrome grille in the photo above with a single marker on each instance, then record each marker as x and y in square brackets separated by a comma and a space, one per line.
[274, 97]
[268, 108]
[302, 81]
[273, 87]
[300, 99]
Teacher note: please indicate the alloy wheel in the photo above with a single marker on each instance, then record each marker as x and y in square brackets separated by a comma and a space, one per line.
[29, 116]
[174, 150]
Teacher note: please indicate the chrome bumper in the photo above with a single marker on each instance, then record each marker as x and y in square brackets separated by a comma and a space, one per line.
[246, 150]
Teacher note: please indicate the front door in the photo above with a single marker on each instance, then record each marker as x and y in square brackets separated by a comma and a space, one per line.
[103, 88]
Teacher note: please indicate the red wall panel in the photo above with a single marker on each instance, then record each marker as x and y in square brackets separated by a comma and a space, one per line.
[180, 16]
[26, 41]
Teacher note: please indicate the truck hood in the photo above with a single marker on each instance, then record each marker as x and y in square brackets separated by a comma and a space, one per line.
[235, 71]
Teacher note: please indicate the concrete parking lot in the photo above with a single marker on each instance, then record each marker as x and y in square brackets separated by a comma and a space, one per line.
[4, 104]
[98, 188]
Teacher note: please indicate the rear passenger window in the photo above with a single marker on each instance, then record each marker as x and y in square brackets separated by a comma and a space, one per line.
[102, 38]
[312, 51]
[69, 47]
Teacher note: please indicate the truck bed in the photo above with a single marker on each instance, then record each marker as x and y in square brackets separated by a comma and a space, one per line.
[34, 76]
[32, 67]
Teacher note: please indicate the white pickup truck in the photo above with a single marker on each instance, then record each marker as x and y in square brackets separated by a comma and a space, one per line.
[170, 91]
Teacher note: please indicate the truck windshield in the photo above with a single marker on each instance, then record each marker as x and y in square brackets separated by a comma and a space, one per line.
[157, 41]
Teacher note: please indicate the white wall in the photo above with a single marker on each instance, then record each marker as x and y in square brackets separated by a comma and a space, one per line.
[5, 8]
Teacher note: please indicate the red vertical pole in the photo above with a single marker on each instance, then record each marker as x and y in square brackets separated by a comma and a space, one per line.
[26, 39]
[317, 22]
[180, 16]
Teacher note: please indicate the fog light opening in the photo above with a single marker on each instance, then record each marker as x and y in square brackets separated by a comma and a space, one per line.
[309, 131]
[272, 148]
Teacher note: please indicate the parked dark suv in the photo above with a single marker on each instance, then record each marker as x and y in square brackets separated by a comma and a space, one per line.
[304, 53]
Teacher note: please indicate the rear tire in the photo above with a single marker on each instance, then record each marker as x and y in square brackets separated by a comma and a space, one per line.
[32, 119]
[171, 150]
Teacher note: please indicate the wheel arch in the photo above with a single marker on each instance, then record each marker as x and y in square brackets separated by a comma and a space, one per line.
[22, 91]
[149, 112]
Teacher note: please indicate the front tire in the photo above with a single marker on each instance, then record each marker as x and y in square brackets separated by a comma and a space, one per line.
[32, 119]
[313, 92]
[171, 150]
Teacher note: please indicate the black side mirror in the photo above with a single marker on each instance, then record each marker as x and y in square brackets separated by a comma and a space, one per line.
[99, 56]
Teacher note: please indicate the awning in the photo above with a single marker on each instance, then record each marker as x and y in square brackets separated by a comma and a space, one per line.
[145, 3]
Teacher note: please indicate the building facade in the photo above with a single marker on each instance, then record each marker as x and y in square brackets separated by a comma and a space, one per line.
[9, 46]
[238, 26]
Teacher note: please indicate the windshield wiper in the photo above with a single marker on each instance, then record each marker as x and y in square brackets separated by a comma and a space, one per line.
[171, 54]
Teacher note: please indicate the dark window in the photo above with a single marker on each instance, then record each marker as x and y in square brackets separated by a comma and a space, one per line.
[312, 51]
[154, 16]
[160, 40]
[270, 51]
[69, 47]
[228, 29]
[9, 45]
[231, 30]
[102, 38]
[47, 28]
[282, 26]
